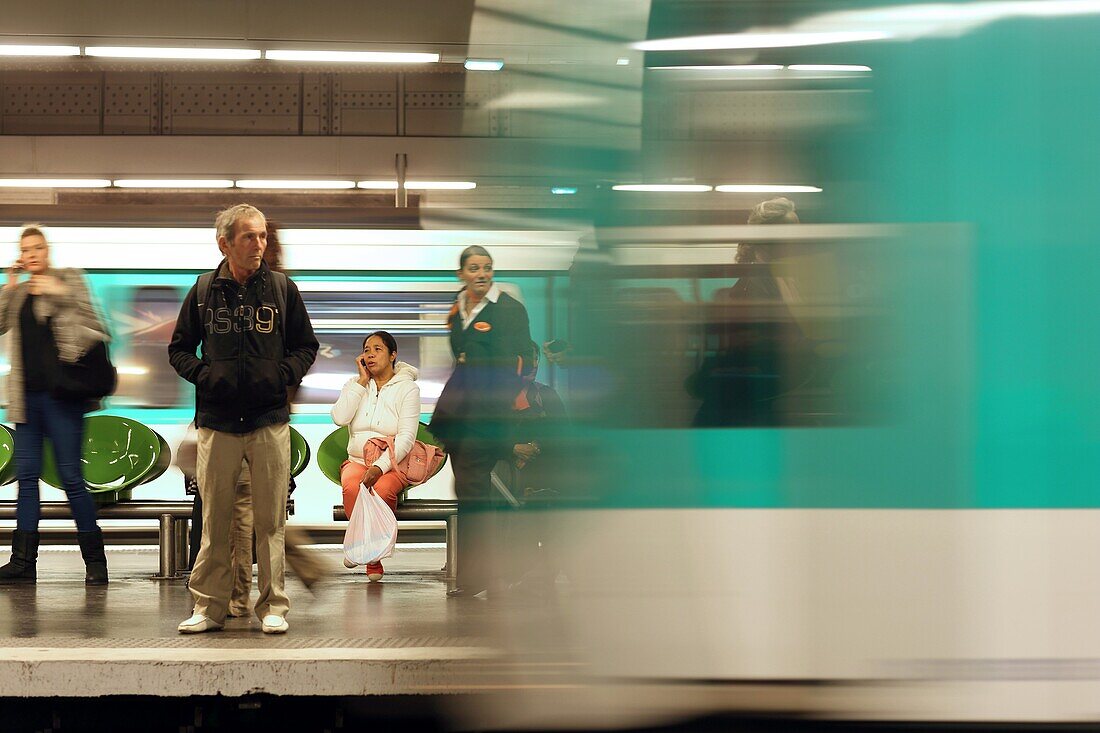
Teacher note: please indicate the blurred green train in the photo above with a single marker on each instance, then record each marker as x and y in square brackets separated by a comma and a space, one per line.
[916, 536]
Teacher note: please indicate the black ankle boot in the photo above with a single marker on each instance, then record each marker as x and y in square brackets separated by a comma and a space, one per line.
[95, 561]
[24, 558]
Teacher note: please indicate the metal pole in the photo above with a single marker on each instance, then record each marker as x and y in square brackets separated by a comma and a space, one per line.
[400, 195]
[451, 568]
[183, 543]
[167, 548]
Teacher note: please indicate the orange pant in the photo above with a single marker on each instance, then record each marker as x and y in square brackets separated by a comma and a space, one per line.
[388, 486]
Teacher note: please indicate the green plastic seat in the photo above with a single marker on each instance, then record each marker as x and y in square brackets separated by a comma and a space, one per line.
[332, 454]
[163, 462]
[117, 455]
[299, 453]
[7, 455]
[334, 451]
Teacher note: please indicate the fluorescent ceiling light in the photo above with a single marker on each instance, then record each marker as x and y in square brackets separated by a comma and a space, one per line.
[16, 50]
[764, 188]
[173, 183]
[664, 187]
[354, 57]
[622, 62]
[779, 39]
[156, 52]
[941, 19]
[440, 185]
[484, 64]
[727, 67]
[828, 67]
[378, 185]
[419, 185]
[54, 183]
[563, 190]
[257, 183]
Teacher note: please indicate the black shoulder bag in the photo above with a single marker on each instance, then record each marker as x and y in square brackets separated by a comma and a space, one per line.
[91, 377]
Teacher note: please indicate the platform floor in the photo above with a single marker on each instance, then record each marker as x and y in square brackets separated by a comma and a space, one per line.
[348, 637]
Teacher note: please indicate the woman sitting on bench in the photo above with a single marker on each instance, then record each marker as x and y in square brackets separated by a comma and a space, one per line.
[382, 402]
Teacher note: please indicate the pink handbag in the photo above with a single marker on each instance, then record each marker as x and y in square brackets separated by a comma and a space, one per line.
[419, 465]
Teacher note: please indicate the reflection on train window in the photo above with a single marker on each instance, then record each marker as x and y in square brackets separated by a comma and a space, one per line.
[416, 316]
[745, 345]
[342, 315]
[144, 377]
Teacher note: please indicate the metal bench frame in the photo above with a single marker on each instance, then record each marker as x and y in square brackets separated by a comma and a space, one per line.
[174, 518]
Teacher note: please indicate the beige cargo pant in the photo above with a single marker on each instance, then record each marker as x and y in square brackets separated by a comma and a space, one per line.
[305, 564]
[267, 453]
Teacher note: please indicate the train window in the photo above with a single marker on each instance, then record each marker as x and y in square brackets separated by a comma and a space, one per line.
[344, 313]
[144, 377]
[711, 342]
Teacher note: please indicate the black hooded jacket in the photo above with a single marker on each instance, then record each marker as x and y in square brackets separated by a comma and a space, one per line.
[247, 362]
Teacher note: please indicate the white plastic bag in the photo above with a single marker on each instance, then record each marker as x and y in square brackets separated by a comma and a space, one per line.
[372, 530]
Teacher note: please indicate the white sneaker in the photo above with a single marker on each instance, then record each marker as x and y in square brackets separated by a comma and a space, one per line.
[273, 624]
[198, 624]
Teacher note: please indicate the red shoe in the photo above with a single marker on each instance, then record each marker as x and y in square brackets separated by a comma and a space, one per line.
[374, 572]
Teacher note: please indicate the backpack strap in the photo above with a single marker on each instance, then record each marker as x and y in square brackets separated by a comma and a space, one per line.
[202, 301]
[279, 285]
[202, 293]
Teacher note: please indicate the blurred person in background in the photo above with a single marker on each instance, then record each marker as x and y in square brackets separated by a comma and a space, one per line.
[536, 472]
[51, 320]
[536, 431]
[761, 346]
[490, 339]
[383, 401]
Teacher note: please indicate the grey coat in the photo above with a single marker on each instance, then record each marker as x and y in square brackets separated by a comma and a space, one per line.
[76, 327]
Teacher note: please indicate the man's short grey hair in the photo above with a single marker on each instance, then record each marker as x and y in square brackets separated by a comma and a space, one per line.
[226, 221]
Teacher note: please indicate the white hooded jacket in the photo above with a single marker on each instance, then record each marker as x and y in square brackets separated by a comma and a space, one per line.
[369, 412]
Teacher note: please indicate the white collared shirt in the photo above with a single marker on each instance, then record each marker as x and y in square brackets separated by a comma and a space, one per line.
[490, 297]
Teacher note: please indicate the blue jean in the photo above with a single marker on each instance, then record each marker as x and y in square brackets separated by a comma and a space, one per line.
[62, 422]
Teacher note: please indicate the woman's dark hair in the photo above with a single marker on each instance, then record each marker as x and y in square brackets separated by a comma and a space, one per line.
[387, 339]
[474, 250]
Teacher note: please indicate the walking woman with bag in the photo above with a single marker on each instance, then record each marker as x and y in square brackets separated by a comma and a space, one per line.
[474, 416]
[380, 406]
[53, 326]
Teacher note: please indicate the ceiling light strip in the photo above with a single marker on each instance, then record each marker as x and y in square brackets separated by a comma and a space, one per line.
[764, 188]
[778, 39]
[663, 187]
[855, 68]
[161, 52]
[353, 57]
[32, 50]
[174, 183]
[303, 184]
[54, 183]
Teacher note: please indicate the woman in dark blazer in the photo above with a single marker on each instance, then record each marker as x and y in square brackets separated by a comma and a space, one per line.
[490, 337]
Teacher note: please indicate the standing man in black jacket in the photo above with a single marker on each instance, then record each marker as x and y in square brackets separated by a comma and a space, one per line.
[256, 341]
